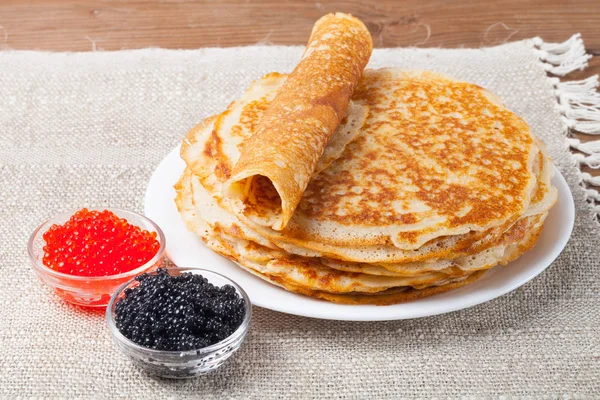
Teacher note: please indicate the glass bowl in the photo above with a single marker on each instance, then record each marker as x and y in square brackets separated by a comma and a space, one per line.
[88, 291]
[182, 364]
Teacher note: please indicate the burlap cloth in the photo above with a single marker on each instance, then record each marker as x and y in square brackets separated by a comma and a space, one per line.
[88, 129]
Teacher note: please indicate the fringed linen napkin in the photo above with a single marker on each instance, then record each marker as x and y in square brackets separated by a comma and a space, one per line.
[89, 129]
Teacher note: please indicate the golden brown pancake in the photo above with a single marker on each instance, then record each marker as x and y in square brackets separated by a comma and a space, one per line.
[318, 273]
[425, 184]
[303, 238]
[279, 159]
[435, 158]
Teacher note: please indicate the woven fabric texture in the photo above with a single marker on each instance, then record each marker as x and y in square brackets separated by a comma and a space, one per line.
[88, 130]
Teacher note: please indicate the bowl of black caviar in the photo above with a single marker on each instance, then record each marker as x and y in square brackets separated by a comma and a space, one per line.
[179, 322]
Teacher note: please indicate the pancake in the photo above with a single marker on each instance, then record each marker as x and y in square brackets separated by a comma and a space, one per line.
[301, 271]
[308, 274]
[544, 197]
[427, 187]
[424, 157]
[523, 232]
[364, 186]
[350, 288]
[267, 183]
[452, 246]
[317, 274]
[387, 297]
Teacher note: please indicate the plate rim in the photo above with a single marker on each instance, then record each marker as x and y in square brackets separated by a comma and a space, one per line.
[561, 242]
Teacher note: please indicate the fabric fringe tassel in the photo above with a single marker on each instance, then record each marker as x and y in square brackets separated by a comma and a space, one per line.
[561, 59]
[579, 104]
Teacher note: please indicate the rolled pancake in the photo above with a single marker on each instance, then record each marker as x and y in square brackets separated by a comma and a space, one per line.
[278, 160]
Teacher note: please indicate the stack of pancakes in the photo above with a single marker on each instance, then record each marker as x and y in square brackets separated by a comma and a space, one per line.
[424, 183]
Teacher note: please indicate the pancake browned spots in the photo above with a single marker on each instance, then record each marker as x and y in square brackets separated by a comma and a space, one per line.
[214, 149]
[422, 138]
[366, 188]
[252, 112]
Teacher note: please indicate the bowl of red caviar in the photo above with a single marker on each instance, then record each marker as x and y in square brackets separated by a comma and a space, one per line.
[86, 255]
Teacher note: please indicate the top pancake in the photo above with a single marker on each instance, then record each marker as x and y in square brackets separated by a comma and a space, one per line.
[436, 157]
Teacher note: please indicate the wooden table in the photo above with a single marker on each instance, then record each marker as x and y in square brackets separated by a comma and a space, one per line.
[60, 25]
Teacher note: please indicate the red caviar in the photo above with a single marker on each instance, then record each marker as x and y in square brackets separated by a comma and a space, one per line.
[97, 243]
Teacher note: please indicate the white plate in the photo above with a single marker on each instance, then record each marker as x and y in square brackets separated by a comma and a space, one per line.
[186, 249]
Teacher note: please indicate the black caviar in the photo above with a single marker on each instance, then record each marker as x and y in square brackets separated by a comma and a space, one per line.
[183, 312]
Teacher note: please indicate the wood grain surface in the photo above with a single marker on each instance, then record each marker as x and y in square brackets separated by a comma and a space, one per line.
[60, 25]
[114, 25]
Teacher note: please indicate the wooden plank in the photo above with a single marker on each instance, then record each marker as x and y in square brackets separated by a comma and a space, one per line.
[120, 24]
[60, 25]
